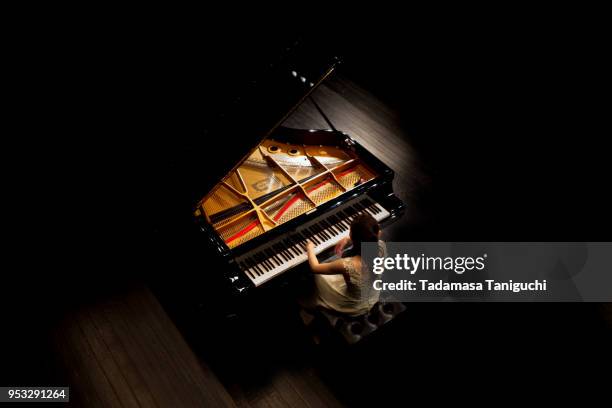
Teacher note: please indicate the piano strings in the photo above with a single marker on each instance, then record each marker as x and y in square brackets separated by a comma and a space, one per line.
[276, 183]
[285, 207]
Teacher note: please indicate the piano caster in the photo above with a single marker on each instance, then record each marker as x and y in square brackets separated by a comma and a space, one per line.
[233, 279]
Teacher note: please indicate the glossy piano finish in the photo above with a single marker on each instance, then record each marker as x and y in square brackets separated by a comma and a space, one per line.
[377, 189]
[275, 180]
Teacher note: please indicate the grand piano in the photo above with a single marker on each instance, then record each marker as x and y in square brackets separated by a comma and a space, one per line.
[287, 185]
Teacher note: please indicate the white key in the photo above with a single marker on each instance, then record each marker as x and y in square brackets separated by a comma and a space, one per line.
[323, 244]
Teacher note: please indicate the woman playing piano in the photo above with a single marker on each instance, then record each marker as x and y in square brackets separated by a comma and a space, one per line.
[344, 285]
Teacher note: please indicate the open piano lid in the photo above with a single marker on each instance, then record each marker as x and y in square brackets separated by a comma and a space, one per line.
[263, 107]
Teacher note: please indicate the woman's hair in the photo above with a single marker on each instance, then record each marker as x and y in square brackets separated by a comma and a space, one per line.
[364, 228]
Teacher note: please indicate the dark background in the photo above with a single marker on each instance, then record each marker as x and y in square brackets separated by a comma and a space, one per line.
[505, 112]
[505, 115]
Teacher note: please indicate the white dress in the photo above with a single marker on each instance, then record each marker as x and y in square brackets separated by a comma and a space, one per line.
[355, 297]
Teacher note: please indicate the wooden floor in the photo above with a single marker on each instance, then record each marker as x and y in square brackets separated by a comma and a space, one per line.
[124, 351]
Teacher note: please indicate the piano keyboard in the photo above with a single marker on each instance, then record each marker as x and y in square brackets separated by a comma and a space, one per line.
[287, 252]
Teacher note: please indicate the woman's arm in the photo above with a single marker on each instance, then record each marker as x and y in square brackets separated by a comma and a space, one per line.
[331, 268]
[344, 242]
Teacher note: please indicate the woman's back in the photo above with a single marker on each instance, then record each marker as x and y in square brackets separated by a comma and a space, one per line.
[345, 285]
[352, 292]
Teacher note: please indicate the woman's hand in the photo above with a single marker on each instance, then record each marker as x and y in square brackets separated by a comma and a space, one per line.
[341, 245]
[332, 268]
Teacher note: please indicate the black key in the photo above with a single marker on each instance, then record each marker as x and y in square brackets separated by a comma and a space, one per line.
[287, 251]
[302, 240]
[291, 251]
[270, 255]
[258, 271]
[286, 255]
[253, 261]
[322, 231]
[290, 245]
[296, 248]
[271, 262]
[281, 247]
[313, 238]
[296, 242]
[328, 228]
[326, 234]
[262, 261]
[338, 227]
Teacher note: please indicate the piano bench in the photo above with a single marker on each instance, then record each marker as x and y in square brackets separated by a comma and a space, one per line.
[353, 329]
